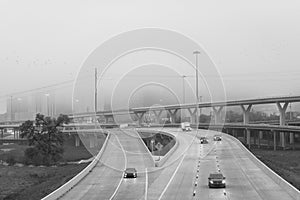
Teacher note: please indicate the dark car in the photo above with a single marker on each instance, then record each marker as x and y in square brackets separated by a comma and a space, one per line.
[130, 173]
[217, 138]
[203, 140]
[216, 180]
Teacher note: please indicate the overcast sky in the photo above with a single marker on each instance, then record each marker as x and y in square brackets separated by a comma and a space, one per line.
[255, 44]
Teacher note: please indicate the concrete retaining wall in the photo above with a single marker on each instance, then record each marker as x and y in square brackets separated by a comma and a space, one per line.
[293, 192]
[75, 180]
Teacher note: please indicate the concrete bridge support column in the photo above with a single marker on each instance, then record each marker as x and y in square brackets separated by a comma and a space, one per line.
[292, 138]
[246, 111]
[157, 115]
[193, 115]
[217, 114]
[282, 110]
[274, 139]
[260, 136]
[2, 132]
[254, 137]
[173, 115]
[77, 141]
[248, 138]
[140, 116]
[93, 140]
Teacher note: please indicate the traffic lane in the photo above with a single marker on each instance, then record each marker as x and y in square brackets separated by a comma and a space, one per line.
[159, 178]
[104, 178]
[137, 156]
[183, 174]
[207, 165]
[183, 183]
[258, 185]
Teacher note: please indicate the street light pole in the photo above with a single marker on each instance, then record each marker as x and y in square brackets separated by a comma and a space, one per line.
[183, 89]
[11, 107]
[196, 53]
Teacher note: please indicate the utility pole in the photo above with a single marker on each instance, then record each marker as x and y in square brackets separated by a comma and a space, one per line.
[96, 90]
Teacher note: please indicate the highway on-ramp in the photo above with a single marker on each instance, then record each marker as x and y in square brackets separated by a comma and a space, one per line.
[184, 174]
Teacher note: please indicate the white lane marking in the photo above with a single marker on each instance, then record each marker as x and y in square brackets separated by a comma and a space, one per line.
[116, 190]
[146, 185]
[165, 189]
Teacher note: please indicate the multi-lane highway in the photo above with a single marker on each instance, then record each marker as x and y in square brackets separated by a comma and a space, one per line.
[183, 176]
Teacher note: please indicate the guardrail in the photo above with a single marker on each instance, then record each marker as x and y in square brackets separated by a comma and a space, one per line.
[293, 192]
[75, 180]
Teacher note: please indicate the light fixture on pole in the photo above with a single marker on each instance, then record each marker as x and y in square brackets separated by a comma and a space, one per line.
[196, 53]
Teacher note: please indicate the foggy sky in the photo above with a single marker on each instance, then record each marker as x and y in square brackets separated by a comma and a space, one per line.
[254, 44]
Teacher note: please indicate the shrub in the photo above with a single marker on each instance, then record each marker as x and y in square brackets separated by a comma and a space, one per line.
[11, 160]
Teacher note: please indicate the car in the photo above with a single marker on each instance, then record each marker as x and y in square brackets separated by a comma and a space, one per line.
[203, 140]
[217, 138]
[130, 173]
[216, 180]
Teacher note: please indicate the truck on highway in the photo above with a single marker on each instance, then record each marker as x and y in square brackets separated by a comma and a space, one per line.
[186, 126]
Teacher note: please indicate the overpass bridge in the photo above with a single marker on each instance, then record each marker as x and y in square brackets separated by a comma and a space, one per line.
[217, 107]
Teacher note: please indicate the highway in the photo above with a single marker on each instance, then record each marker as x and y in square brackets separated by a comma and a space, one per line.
[183, 176]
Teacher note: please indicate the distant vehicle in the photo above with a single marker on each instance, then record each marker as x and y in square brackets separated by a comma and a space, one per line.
[130, 173]
[216, 180]
[203, 140]
[186, 126]
[217, 138]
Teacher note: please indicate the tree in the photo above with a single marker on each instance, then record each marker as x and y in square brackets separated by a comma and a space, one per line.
[45, 138]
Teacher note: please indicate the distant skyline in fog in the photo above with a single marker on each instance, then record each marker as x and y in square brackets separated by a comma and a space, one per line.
[254, 44]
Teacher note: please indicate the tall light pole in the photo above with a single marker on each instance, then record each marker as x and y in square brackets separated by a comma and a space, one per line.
[11, 107]
[96, 90]
[19, 107]
[196, 53]
[183, 89]
[47, 98]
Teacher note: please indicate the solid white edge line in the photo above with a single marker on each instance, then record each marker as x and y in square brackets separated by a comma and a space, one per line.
[116, 190]
[165, 189]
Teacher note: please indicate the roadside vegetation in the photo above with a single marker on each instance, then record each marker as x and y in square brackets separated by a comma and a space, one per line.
[285, 163]
[166, 142]
[33, 170]
[33, 183]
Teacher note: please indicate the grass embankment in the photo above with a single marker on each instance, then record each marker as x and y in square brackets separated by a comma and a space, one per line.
[284, 163]
[33, 182]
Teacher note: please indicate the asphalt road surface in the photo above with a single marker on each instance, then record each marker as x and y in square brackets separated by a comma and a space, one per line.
[183, 176]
